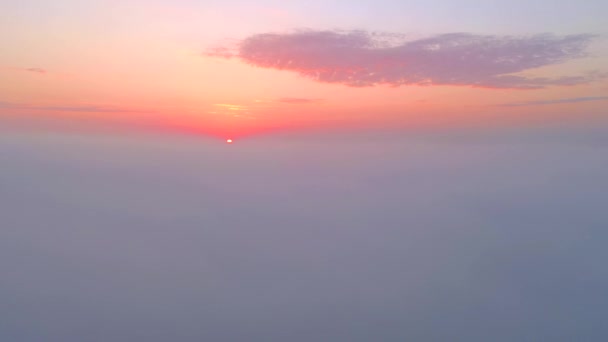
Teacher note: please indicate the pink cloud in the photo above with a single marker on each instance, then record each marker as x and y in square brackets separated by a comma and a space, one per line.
[362, 59]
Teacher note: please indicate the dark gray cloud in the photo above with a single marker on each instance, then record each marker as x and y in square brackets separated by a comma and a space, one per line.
[360, 58]
[555, 101]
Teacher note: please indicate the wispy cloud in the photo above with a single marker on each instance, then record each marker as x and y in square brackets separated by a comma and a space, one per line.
[232, 107]
[36, 70]
[555, 101]
[87, 108]
[361, 59]
[296, 100]
[92, 109]
[219, 51]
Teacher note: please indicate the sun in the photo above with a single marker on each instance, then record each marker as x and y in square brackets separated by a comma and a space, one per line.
[228, 141]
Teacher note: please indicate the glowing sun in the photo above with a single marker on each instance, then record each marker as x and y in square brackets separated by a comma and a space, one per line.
[228, 141]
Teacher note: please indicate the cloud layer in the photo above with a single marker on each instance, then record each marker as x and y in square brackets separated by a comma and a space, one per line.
[361, 59]
[447, 237]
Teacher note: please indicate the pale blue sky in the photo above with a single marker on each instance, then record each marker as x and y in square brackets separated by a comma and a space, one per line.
[433, 16]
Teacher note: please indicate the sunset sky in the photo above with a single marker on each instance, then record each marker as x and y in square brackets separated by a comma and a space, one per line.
[231, 67]
[396, 170]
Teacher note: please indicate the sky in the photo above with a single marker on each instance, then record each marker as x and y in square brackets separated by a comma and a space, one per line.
[237, 68]
[397, 170]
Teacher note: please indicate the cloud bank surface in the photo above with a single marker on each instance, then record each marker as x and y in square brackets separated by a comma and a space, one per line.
[362, 59]
[144, 238]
